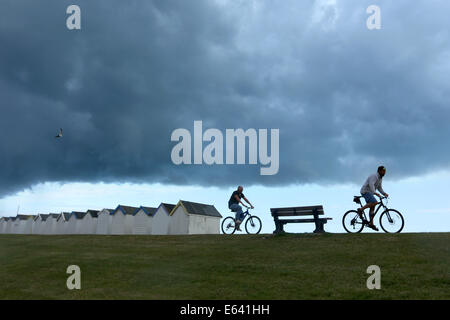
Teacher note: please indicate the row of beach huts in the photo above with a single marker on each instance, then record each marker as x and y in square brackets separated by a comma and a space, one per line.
[185, 217]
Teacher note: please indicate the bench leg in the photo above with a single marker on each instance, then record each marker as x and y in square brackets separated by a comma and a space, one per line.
[278, 227]
[319, 227]
[319, 223]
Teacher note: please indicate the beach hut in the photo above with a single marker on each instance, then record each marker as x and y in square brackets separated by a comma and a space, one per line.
[161, 218]
[2, 224]
[35, 225]
[71, 227]
[122, 219]
[24, 224]
[142, 222]
[8, 225]
[89, 222]
[194, 218]
[61, 223]
[49, 227]
[39, 223]
[15, 222]
[75, 225]
[104, 221]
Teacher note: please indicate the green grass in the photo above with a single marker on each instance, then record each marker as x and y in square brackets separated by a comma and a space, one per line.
[291, 266]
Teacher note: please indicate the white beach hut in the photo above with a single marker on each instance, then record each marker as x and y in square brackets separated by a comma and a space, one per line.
[143, 218]
[71, 227]
[194, 218]
[36, 224]
[8, 224]
[122, 219]
[161, 218]
[39, 223]
[14, 225]
[49, 227]
[104, 221]
[24, 224]
[89, 222]
[2, 225]
[75, 225]
[61, 223]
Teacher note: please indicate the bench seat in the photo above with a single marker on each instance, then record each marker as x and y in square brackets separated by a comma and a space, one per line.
[291, 212]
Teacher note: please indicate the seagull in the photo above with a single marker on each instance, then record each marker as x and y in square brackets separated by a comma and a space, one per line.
[59, 135]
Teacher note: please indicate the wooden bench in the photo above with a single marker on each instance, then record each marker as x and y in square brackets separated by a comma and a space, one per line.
[314, 211]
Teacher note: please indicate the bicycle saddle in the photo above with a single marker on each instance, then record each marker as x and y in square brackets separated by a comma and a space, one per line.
[357, 199]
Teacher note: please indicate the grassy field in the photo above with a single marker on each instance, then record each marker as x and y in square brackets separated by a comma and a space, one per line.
[291, 266]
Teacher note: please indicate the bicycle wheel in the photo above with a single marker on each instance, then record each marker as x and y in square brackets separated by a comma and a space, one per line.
[253, 225]
[228, 225]
[391, 221]
[352, 222]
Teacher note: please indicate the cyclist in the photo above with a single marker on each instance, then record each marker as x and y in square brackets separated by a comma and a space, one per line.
[368, 190]
[234, 206]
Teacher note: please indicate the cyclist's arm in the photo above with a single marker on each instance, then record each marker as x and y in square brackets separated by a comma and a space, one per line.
[380, 188]
[248, 202]
[371, 183]
[239, 200]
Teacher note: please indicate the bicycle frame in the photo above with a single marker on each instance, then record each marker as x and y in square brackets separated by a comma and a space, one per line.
[246, 213]
[379, 204]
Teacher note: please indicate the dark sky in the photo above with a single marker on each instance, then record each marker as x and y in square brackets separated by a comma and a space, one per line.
[344, 98]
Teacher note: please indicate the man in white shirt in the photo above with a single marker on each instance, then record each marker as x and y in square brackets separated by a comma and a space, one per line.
[369, 189]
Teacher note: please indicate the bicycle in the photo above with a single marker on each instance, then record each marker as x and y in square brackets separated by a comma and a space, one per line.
[391, 220]
[253, 224]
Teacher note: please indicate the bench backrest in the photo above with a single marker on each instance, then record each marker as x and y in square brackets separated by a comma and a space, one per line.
[296, 211]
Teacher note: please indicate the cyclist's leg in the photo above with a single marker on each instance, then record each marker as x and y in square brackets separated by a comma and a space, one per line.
[241, 216]
[372, 213]
[238, 209]
[371, 202]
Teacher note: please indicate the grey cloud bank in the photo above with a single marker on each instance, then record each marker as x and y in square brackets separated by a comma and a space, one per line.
[344, 98]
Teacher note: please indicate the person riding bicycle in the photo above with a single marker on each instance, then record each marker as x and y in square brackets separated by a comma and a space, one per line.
[368, 190]
[234, 206]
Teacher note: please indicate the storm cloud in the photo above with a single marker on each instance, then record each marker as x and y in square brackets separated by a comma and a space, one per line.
[344, 98]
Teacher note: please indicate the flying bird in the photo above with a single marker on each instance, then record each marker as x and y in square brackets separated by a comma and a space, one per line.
[59, 135]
